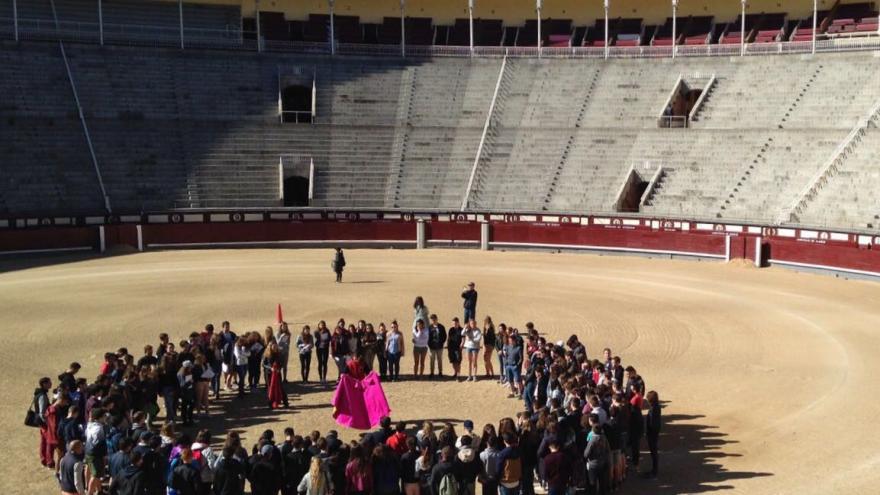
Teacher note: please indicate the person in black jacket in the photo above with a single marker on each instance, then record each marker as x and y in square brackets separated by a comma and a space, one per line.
[264, 476]
[468, 465]
[296, 465]
[652, 429]
[453, 346]
[442, 468]
[71, 471]
[229, 474]
[132, 480]
[469, 294]
[186, 478]
[635, 431]
[436, 340]
[338, 264]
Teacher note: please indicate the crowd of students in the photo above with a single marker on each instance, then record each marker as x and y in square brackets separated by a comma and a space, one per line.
[581, 425]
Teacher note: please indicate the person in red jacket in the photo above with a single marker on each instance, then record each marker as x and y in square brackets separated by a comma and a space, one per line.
[397, 441]
[356, 367]
[49, 430]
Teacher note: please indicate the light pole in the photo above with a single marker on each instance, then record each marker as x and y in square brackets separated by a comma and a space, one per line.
[538, 5]
[100, 23]
[402, 28]
[257, 17]
[471, 24]
[332, 28]
[815, 23]
[607, 4]
[742, 30]
[674, 24]
[180, 18]
[15, 18]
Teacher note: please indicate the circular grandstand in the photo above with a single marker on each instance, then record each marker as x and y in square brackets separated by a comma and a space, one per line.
[723, 141]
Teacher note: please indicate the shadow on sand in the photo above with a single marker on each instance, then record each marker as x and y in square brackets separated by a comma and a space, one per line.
[690, 455]
[691, 451]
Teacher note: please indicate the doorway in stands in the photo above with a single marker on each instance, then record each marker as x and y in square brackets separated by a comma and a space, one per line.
[296, 104]
[296, 175]
[684, 101]
[296, 191]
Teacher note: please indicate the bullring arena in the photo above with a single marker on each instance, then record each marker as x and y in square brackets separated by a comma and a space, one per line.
[691, 184]
[767, 374]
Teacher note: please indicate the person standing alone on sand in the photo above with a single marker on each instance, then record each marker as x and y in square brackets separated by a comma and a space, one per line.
[338, 264]
[469, 294]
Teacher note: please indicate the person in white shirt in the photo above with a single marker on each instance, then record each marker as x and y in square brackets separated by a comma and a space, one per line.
[420, 347]
[471, 343]
[241, 355]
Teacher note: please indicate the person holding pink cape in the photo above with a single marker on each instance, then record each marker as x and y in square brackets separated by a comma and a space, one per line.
[359, 403]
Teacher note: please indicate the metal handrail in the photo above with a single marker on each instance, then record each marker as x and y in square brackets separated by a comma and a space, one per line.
[234, 38]
[300, 116]
[82, 117]
[810, 190]
[701, 98]
[470, 184]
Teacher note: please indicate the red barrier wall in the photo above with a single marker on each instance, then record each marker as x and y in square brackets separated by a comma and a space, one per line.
[843, 251]
[453, 231]
[120, 235]
[48, 238]
[830, 254]
[608, 237]
[269, 232]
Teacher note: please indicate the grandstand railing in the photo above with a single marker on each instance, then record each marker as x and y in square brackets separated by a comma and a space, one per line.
[237, 39]
[838, 157]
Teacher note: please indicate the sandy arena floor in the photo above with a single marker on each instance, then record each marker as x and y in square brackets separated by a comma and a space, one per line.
[769, 375]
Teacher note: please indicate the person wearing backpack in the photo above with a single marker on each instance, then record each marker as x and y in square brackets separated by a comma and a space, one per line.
[489, 457]
[468, 465]
[598, 455]
[39, 405]
[202, 447]
[445, 475]
[509, 466]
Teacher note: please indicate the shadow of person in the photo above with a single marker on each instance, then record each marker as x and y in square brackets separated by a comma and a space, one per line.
[690, 460]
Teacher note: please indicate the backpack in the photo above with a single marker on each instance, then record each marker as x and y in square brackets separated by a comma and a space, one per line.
[32, 418]
[448, 485]
[207, 462]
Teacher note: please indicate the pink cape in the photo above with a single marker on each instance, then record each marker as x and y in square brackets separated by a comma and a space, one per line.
[359, 404]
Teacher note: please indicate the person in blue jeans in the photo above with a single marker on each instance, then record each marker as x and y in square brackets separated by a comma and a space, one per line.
[513, 358]
[509, 467]
[394, 350]
[470, 302]
[168, 385]
[241, 355]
